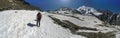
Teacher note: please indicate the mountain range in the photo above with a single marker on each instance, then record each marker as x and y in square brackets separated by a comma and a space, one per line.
[106, 16]
[84, 22]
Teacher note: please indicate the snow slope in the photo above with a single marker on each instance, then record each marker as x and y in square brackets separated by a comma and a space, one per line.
[90, 22]
[86, 21]
[21, 24]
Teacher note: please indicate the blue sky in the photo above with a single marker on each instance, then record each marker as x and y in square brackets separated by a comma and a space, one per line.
[113, 5]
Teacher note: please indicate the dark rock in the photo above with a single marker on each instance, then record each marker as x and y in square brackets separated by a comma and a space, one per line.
[15, 5]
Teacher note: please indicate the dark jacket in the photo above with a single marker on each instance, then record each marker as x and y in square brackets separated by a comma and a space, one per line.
[39, 15]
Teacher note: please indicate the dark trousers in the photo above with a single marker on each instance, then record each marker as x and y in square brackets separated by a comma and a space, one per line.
[38, 23]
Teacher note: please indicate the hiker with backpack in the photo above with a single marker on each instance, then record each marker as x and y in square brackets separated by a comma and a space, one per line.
[39, 15]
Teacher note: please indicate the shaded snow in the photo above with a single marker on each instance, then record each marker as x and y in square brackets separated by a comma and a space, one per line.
[118, 35]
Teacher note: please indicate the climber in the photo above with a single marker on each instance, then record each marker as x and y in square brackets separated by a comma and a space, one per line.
[39, 15]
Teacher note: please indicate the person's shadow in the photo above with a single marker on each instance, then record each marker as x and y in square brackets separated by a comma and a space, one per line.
[31, 25]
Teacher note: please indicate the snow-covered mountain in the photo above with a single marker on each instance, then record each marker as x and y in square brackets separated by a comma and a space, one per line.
[65, 10]
[88, 11]
[22, 24]
[104, 15]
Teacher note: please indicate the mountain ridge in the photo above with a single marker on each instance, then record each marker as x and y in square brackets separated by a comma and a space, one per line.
[103, 15]
[16, 5]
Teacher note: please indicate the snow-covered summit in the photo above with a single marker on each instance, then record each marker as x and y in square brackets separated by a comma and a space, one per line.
[81, 10]
[103, 15]
[88, 11]
[86, 8]
[65, 10]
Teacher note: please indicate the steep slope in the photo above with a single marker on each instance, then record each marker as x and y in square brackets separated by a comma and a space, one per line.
[21, 24]
[88, 26]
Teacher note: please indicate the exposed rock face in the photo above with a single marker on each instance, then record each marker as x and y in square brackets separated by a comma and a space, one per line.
[15, 5]
[106, 15]
[118, 20]
[111, 18]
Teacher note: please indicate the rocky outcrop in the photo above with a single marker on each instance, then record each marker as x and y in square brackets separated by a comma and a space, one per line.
[106, 15]
[15, 5]
[109, 17]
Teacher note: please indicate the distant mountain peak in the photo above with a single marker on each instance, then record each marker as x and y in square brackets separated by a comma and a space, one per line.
[88, 10]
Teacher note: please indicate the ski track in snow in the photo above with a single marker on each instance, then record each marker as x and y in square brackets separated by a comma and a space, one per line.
[14, 25]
